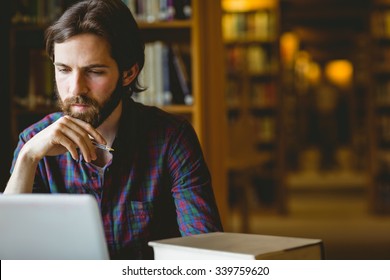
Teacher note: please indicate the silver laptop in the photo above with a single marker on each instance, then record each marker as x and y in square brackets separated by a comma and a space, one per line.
[51, 226]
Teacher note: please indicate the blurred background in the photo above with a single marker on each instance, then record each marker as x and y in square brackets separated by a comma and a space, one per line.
[290, 99]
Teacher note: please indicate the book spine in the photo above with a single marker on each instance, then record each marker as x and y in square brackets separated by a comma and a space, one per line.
[141, 10]
[187, 9]
[158, 74]
[167, 93]
[182, 75]
[170, 10]
[149, 94]
[163, 14]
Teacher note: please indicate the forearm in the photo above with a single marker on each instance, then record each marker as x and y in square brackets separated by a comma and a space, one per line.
[192, 190]
[22, 178]
[196, 208]
[198, 213]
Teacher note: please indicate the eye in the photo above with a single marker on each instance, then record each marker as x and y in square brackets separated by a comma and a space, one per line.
[96, 72]
[63, 69]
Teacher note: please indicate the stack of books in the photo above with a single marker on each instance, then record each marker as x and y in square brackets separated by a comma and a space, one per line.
[237, 246]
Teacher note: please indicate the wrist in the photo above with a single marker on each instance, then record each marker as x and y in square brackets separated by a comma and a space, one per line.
[27, 156]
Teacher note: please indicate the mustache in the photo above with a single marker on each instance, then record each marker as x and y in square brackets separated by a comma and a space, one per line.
[91, 116]
[80, 100]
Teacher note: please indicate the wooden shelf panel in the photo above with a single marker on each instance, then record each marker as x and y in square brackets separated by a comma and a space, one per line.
[179, 109]
[174, 24]
[253, 71]
[250, 40]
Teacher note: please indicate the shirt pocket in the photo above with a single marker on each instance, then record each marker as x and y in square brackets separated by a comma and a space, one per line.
[139, 218]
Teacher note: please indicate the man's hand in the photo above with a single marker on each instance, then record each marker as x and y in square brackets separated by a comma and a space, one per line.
[66, 134]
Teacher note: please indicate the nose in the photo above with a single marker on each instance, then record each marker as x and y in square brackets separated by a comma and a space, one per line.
[78, 85]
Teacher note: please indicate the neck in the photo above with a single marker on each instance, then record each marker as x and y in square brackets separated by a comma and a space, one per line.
[109, 128]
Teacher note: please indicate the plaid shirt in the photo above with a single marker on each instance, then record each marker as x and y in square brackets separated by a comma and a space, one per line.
[156, 186]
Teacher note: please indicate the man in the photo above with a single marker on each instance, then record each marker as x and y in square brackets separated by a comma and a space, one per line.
[155, 184]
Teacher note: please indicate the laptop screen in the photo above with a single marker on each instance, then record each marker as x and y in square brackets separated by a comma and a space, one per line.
[51, 226]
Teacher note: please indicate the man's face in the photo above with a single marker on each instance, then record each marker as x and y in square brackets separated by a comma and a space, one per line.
[86, 76]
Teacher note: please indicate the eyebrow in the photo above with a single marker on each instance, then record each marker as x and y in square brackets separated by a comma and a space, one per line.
[84, 67]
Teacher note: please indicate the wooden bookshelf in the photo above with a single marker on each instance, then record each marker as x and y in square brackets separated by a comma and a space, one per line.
[336, 155]
[251, 34]
[173, 24]
[6, 154]
[379, 108]
[200, 33]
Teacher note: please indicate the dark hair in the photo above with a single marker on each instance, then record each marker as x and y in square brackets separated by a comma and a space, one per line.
[109, 19]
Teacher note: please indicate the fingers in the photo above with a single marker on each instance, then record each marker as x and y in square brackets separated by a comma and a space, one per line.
[90, 130]
[72, 137]
[70, 146]
[73, 133]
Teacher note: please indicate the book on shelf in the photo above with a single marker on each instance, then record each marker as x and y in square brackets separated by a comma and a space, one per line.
[180, 71]
[237, 246]
[258, 25]
[152, 76]
[235, 59]
[46, 11]
[263, 94]
[257, 60]
[183, 9]
[380, 23]
[160, 10]
[265, 128]
[38, 11]
[166, 76]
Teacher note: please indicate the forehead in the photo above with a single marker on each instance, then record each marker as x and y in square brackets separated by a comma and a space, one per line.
[83, 47]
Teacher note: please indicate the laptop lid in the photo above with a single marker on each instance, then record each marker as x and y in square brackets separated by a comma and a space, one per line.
[51, 226]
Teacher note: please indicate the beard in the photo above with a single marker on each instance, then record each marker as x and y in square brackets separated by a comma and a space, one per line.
[92, 113]
[95, 114]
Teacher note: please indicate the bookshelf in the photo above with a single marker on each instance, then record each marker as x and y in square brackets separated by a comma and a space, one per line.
[6, 155]
[380, 108]
[326, 140]
[196, 35]
[33, 96]
[251, 37]
[31, 71]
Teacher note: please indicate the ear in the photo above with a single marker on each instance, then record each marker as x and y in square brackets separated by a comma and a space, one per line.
[129, 75]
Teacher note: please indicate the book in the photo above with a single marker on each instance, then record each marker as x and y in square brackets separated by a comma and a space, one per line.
[155, 76]
[237, 246]
[180, 77]
[166, 75]
[183, 9]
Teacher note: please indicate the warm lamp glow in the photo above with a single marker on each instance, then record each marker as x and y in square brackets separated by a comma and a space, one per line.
[339, 72]
[314, 73]
[289, 45]
[247, 5]
[308, 71]
[302, 63]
